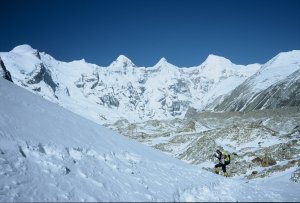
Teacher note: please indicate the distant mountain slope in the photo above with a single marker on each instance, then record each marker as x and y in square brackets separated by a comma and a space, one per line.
[122, 90]
[275, 85]
[50, 154]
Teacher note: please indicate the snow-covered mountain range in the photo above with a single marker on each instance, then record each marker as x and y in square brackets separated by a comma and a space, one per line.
[123, 90]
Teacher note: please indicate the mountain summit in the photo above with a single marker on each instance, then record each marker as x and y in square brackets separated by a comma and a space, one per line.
[214, 59]
[23, 49]
[122, 61]
[163, 63]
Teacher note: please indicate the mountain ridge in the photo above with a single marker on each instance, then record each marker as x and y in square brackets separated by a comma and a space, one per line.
[279, 70]
[124, 91]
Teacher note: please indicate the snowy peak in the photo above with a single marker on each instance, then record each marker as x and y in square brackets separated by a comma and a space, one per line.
[122, 61]
[215, 61]
[162, 60]
[285, 58]
[278, 67]
[215, 67]
[22, 49]
[213, 57]
[163, 63]
[123, 58]
[26, 49]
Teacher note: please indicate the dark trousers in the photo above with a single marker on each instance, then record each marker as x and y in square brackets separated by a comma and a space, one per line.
[222, 165]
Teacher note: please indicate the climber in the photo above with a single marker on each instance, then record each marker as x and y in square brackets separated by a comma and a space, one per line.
[224, 160]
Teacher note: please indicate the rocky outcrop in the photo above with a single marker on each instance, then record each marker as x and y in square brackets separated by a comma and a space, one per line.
[4, 72]
[264, 162]
[109, 100]
[42, 74]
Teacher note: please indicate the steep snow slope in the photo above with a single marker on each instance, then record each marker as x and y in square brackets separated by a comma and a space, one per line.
[50, 154]
[276, 84]
[122, 90]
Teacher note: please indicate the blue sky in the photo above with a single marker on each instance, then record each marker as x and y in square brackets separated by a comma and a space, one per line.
[183, 31]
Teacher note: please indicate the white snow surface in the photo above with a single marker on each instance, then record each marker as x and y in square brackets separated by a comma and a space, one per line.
[276, 69]
[48, 153]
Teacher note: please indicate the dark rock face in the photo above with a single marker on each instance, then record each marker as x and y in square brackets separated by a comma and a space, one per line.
[43, 75]
[37, 54]
[134, 97]
[180, 87]
[4, 72]
[109, 100]
[38, 89]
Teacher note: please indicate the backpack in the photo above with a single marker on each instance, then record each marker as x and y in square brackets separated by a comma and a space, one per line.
[227, 157]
